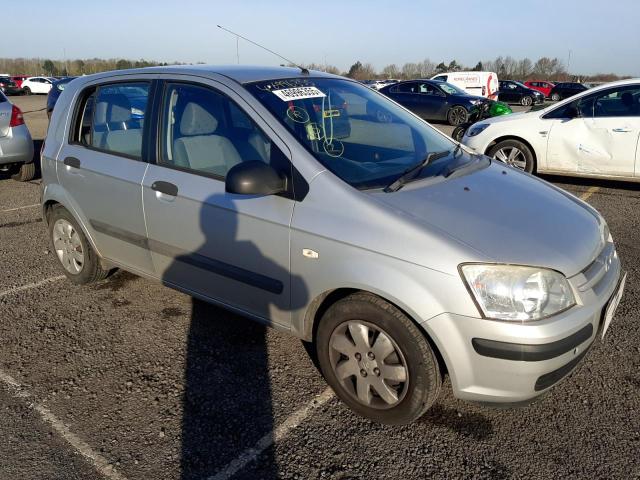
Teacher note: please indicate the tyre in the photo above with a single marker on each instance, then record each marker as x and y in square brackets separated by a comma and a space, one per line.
[555, 97]
[526, 101]
[458, 133]
[26, 91]
[376, 360]
[25, 172]
[514, 153]
[79, 261]
[457, 115]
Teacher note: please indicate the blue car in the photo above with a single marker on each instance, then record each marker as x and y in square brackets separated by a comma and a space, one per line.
[54, 93]
[433, 100]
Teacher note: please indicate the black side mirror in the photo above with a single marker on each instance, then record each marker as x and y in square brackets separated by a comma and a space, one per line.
[254, 178]
[572, 112]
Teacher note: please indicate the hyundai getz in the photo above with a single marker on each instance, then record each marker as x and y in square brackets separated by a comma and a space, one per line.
[318, 206]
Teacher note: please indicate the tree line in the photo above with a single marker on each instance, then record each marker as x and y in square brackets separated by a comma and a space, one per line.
[76, 67]
[544, 68]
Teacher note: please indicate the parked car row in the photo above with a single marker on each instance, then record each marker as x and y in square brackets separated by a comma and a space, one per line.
[22, 85]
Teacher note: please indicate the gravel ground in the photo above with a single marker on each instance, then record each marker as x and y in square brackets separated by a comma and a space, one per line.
[158, 385]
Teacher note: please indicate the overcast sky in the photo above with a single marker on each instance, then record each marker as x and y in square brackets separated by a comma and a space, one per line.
[602, 36]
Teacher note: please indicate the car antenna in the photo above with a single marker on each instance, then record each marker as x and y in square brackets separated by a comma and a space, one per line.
[304, 70]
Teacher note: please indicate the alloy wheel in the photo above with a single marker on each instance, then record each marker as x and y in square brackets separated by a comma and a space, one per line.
[458, 115]
[68, 246]
[512, 156]
[369, 364]
[526, 101]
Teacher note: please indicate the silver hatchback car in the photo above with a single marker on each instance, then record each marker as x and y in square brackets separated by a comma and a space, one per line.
[16, 145]
[316, 205]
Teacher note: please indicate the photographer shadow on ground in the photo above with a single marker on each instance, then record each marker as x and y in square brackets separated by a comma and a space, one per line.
[227, 402]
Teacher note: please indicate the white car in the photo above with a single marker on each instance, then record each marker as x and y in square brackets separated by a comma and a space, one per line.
[37, 85]
[592, 134]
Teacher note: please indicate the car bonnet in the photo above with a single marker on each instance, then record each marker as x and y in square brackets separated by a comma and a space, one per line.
[509, 216]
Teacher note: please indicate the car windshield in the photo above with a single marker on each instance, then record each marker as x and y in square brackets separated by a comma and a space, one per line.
[60, 84]
[358, 134]
[520, 84]
[451, 89]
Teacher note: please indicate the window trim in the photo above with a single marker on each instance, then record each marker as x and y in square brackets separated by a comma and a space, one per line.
[80, 103]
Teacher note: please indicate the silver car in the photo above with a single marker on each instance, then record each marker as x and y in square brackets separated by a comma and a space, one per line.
[315, 205]
[16, 146]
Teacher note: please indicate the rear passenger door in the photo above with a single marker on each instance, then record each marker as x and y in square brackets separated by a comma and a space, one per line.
[233, 249]
[102, 167]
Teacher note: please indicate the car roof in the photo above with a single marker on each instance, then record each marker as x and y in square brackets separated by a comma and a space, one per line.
[239, 73]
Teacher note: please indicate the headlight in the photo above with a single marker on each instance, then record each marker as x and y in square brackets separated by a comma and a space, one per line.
[509, 292]
[477, 129]
[476, 102]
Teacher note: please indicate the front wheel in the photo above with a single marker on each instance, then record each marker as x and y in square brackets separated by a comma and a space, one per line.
[526, 101]
[26, 91]
[458, 133]
[377, 360]
[555, 97]
[457, 116]
[513, 153]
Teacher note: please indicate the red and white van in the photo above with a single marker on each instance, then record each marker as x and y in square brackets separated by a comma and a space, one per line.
[482, 84]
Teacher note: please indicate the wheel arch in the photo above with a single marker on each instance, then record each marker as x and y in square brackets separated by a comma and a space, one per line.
[519, 139]
[54, 195]
[322, 302]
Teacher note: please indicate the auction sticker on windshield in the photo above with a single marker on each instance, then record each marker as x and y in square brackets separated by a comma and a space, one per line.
[298, 93]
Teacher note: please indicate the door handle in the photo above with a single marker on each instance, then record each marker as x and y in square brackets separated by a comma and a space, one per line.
[621, 130]
[72, 162]
[165, 187]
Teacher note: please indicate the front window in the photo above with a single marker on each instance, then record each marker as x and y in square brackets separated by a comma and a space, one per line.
[361, 136]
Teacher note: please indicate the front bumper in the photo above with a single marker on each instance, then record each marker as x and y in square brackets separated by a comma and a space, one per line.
[501, 362]
[17, 146]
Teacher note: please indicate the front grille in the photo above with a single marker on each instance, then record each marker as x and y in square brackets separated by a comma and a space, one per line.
[598, 269]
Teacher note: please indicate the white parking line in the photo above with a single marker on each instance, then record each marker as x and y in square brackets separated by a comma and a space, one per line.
[19, 208]
[281, 432]
[588, 193]
[29, 286]
[100, 463]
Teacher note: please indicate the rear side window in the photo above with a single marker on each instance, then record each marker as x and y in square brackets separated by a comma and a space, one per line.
[112, 118]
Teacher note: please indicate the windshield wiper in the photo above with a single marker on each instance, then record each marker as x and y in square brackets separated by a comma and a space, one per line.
[413, 171]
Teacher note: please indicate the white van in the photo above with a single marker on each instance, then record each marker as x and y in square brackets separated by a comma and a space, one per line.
[482, 84]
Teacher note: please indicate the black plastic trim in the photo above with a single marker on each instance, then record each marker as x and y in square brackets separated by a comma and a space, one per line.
[551, 378]
[191, 258]
[531, 353]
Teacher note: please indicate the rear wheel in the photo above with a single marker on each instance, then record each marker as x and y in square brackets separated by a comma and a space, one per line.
[377, 360]
[555, 97]
[24, 172]
[514, 153]
[457, 115]
[26, 91]
[79, 261]
[526, 101]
